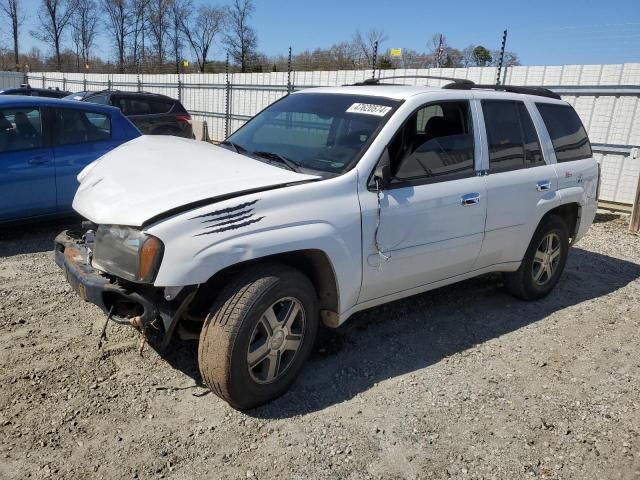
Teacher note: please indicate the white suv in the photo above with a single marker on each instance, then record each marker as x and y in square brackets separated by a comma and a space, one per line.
[330, 201]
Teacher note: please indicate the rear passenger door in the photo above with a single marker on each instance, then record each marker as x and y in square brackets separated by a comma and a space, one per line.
[81, 136]
[27, 172]
[519, 180]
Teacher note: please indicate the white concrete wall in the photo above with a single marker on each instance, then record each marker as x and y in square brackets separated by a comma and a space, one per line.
[610, 119]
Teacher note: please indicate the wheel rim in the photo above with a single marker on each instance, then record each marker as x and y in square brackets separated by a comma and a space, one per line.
[276, 340]
[546, 259]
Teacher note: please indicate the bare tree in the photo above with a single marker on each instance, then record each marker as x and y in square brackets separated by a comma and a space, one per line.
[84, 29]
[12, 10]
[118, 24]
[177, 13]
[365, 44]
[203, 30]
[138, 30]
[241, 39]
[158, 21]
[54, 16]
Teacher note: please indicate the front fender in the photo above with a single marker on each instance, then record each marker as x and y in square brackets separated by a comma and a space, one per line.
[323, 216]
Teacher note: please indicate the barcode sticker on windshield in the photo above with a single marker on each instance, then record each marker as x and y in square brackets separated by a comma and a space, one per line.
[369, 109]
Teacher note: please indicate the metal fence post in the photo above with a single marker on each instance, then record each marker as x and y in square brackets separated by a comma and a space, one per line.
[289, 86]
[375, 59]
[108, 84]
[504, 41]
[64, 82]
[44, 81]
[227, 100]
[179, 89]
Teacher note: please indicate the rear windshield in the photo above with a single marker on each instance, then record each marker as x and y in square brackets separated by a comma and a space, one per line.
[568, 136]
[324, 132]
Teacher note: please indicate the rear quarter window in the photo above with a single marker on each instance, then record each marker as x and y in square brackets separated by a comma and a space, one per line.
[569, 138]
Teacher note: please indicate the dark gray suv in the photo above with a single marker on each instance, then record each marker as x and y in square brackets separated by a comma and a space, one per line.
[152, 113]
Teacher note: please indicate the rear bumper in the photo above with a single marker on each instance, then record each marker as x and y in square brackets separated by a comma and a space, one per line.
[123, 301]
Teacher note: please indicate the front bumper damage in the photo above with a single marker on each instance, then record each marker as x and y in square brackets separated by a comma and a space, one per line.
[138, 305]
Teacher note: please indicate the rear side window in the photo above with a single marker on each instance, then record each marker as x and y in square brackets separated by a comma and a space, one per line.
[569, 138]
[513, 141]
[133, 106]
[20, 129]
[99, 99]
[160, 106]
[79, 126]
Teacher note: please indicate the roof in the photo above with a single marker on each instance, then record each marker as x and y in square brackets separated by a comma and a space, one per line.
[397, 92]
[403, 92]
[27, 101]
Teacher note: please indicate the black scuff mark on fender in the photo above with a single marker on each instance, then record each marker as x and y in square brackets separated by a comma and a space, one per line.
[232, 221]
[227, 210]
[235, 226]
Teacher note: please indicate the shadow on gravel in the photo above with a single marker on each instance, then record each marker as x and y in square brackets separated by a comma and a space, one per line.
[24, 238]
[414, 333]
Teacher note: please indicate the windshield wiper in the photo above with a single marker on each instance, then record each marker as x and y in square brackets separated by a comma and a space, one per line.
[290, 164]
[236, 148]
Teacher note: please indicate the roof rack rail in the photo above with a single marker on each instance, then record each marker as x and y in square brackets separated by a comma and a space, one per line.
[539, 91]
[377, 81]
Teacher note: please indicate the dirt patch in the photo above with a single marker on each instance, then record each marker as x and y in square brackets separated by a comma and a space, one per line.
[462, 382]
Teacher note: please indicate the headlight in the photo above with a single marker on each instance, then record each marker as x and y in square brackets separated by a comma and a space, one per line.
[127, 253]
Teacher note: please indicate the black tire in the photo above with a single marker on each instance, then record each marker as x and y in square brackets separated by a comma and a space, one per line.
[522, 283]
[231, 325]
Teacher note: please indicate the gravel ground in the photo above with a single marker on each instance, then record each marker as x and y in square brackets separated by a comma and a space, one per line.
[462, 382]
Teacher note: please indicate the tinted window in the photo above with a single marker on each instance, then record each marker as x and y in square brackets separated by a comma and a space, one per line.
[20, 129]
[435, 143]
[321, 132]
[133, 106]
[568, 136]
[511, 136]
[532, 151]
[99, 99]
[77, 126]
[160, 106]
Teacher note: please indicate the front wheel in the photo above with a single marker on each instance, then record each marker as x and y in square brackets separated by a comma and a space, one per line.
[543, 262]
[258, 334]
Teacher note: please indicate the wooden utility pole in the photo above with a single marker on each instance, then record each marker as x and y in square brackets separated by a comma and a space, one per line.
[634, 224]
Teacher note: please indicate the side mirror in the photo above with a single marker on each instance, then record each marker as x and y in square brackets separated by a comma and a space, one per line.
[382, 173]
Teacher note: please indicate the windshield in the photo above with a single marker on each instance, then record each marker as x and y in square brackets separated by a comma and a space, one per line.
[315, 131]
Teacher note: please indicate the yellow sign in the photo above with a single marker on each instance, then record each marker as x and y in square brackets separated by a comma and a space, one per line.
[395, 52]
[185, 63]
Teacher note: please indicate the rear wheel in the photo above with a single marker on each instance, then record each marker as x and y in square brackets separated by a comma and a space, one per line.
[258, 334]
[543, 262]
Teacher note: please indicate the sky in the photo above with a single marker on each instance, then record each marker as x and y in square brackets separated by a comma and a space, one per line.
[541, 32]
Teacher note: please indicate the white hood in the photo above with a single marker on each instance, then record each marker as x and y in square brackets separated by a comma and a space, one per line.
[153, 174]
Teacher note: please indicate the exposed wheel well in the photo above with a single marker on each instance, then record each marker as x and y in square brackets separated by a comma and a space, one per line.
[570, 213]
[313, 263]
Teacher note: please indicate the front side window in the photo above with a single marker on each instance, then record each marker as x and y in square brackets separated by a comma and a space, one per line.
[434, 144]
[79, 126]
[511, 137]
[322, 132]
[20, 129]
[568, 136]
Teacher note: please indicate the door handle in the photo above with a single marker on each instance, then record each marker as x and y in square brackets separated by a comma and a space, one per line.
[543, 185]
[470, 199]
[38, 160]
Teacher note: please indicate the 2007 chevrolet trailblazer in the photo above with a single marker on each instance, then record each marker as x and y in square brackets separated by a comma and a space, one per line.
[329, 201]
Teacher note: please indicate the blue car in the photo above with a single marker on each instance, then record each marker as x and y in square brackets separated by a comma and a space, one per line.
[44, 144]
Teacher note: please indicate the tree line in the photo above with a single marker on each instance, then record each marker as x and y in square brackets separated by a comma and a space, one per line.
[156, 35]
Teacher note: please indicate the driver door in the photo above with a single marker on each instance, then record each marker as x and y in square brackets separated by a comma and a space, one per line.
[429, 222]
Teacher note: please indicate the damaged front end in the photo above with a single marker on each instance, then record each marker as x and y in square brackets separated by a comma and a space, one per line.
[153, 311]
